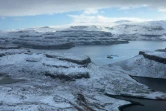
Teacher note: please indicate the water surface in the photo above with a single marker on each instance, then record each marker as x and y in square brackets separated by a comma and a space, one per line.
[153, 83]
[148, 105]
[99, 53]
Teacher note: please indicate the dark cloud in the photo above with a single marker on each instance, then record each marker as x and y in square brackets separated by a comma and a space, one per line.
[36, 7]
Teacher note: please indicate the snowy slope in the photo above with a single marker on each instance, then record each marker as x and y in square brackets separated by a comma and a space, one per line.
[146, 64]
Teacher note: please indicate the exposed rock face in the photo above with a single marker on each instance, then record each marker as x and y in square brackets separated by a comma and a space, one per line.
[43, 44]
[69, 77]
[12, 52]
[76, 60]
[4, 46]
[83, 37]
[64, 39]
[151, 56]
[161, 50]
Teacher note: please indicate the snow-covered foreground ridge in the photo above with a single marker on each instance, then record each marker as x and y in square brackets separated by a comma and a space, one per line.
[55, 81]
[55, 38]
[146, 64]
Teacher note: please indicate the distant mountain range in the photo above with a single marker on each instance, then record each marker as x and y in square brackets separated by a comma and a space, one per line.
[67, 37]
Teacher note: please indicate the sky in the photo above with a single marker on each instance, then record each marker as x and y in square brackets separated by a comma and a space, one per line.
[18, 14]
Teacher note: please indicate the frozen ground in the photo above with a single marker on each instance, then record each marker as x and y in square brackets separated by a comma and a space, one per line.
[55, 82]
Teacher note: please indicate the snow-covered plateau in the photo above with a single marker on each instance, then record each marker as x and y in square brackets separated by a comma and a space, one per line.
[63, 82]
[68, 37]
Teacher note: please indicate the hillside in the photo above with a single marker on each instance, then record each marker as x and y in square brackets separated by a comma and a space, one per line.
[146, 64]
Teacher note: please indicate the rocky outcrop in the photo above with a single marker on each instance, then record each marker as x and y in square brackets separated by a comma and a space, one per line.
[161, 50]
[146, 64]
[8, 46]
[43, 44]
[112, 56]
[2, 54]
[69, 77]
[12, 52]
[153, 57]
[83, 61]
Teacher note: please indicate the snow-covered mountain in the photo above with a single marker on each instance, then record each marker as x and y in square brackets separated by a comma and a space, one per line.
[140, 31]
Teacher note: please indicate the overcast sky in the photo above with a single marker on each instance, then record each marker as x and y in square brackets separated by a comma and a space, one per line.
[33, 13]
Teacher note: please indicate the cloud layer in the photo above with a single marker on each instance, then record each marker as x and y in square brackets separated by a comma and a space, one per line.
[37, 7]
[93, 17]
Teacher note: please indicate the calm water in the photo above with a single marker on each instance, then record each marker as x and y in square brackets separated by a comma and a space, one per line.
[99, 53]
[156, 84]
[148, 105]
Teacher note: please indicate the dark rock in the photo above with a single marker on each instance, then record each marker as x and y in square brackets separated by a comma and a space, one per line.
[146, 35]
[31, 61]
[111, 56]
[9, 81]
[80, 62]
[43, 45]
[82, 102]
[153, 57]
[56, 66]
[9, 47]
[69, 77]
[161, 50]
[2, 54]
[4, 74]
